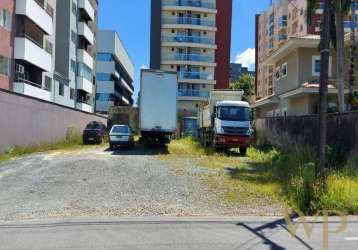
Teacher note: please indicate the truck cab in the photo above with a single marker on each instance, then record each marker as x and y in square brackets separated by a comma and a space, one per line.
[232, 126]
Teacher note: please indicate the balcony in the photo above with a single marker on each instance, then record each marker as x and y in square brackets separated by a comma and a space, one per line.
[36, 13]
[28, 88]
[28, 51]
[348, 25]
[195, 75]
[84, 106]
[189, 39]
[193, 94]
[84, 57]
[84, 84]
[127, 86]
[86, 6]
[188, 57]
[85, 31]
[189, 21]
[190, 3]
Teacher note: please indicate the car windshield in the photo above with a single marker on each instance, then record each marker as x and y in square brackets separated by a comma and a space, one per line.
[120, 129]
[93, 126]
[234, 113]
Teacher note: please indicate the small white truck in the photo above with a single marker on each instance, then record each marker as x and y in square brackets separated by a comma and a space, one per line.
[226, 121]
[158, 105]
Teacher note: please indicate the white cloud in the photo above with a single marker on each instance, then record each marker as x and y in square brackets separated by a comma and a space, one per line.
[247, 58]
[144, 67]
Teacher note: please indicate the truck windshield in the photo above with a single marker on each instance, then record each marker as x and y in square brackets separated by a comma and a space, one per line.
[234, 113]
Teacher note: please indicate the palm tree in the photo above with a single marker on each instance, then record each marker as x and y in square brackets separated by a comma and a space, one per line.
[324, 47]
[339, 9]
[352, 53]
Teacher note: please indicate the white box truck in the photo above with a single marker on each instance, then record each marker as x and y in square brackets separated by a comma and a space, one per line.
[225, 122]
[158, 105]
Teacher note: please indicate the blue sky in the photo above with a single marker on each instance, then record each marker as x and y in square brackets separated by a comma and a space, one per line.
[131, 19]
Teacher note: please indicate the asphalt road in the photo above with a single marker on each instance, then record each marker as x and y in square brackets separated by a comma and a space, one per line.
[156, 234]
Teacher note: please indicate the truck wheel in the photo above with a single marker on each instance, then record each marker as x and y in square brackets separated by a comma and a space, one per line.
[243, 151]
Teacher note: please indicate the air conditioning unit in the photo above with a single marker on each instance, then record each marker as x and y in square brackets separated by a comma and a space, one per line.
[20, 69]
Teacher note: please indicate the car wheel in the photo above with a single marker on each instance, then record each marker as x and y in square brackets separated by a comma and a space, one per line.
[243, 151]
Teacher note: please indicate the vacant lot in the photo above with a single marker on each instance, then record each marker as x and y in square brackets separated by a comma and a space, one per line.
[96, 182]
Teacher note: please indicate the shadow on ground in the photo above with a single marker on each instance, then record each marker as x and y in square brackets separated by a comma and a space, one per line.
[140, 149]
[265, 237]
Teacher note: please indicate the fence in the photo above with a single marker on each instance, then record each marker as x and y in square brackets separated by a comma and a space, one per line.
[27, 121]
[287, 131]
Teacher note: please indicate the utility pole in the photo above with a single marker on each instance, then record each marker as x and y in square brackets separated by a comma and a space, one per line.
[352, 54]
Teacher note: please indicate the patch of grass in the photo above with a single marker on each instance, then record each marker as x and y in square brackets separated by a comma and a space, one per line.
[232, 177]
[271, 175]
[73, 142]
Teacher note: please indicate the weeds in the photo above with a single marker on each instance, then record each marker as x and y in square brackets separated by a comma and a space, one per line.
[277, 175]
[72, 142]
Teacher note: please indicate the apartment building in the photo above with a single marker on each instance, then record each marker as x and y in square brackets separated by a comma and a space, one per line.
[192, 37]
[288, 61]
[7, 31]
[32, 48]
[237, 71]
[115, 73]
[48, 49]
[74, 78]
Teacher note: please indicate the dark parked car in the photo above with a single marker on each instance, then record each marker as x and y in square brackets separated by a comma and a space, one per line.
[95, 132]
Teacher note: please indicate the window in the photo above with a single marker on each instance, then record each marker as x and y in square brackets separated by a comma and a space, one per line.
[73, 37]
[271, 31]
[316, 66]
[84, 71]
[73, 66]
[284, 70]
[48, 83]
[5, 19]
[277, 74]
[4, 66]
[72, 93]
[104, 77]
[74, 9]
[61, 89]
[48, 47]
[104, 57]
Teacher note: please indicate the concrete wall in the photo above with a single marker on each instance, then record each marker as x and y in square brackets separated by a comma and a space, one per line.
[27, 121]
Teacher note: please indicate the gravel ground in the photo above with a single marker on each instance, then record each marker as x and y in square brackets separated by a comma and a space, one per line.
[102, 183]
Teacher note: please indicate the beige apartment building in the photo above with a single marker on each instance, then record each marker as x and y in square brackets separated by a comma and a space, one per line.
[288, 61]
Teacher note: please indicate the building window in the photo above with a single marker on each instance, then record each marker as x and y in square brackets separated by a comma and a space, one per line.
[104, 77]
[316, 66]
[84, 71]
[277, 74]
[173, 31]
[72, 93]
[4, 66]
[73, 37]
[5, 19]
[48, 47]
[284, 70]
[104, 57]
[73, 66]
[74, 9]
[48, 83]
[61, 89]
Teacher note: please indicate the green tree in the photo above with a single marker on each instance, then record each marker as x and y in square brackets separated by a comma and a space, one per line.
[245, 83]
